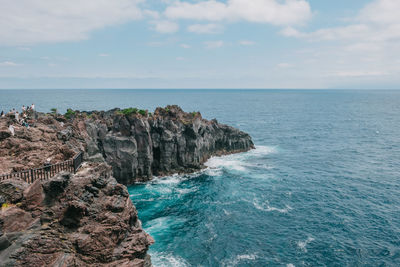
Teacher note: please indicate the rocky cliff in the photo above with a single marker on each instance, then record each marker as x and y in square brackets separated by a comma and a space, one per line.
[85, 219]
[135, 143]
[30, 147]
[140, 145]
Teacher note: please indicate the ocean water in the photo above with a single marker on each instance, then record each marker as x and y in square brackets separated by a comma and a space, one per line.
[321, 189]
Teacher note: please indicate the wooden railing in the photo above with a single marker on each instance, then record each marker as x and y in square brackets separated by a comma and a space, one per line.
[46, 172]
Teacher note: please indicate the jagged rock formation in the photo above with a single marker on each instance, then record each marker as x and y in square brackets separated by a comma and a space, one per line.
[169, 141]
[29, 148]
[137, 145]
[85, 219]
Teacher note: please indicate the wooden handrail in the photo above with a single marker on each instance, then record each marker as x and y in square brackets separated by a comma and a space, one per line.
[46, 172]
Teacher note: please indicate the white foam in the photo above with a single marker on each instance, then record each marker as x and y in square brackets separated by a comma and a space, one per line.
[173, 179]
[268, 208]
[162, 223]
[184, 191]
[263, 150]
[237, 259]
[156, 224]
[228, 162]
[290, 265]
[246, 257]
[239, 162]
[167, 260]
[303, 244]
[213, 172]
[227, 213]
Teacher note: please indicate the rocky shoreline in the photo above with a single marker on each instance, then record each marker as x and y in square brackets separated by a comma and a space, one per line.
[88, 218]
[138, 146]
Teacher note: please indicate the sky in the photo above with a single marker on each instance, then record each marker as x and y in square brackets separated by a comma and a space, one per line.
[275, 44]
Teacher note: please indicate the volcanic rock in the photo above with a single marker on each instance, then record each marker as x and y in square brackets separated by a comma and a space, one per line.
[170, 141]
[86, 219]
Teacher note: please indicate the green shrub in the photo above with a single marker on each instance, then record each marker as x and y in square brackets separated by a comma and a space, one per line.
[143, 112]
[53, 111]
[70, 113]
[129, 111]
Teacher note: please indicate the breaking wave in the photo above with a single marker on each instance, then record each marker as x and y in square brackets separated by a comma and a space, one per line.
[167, 260]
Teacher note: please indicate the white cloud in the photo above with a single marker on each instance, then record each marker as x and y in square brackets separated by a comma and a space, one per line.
[358, 73]
[8, 64]
[25, 49]
[165, 26]
[205, 28]
[287, 12]
[246, 43]
[381, 12]
[364, 49]
[378, 21]
[151, 13]
[284, 65]
[214, 44]
[37, 21]
[186, 46]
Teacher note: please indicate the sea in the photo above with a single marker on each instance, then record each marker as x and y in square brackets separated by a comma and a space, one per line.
[322, 187]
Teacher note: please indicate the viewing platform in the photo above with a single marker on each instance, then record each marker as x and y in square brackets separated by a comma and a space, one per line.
[47, 171]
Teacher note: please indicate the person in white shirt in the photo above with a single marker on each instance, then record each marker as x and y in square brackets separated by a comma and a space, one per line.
[11, 128]
[17, 116]
[33, 106]
[23, 109]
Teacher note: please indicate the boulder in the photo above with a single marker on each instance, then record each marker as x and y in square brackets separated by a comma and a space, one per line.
[12, 191]
[4, 134]
[65, 134]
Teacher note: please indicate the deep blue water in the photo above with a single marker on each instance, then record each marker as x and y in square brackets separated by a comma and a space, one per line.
[322, 188]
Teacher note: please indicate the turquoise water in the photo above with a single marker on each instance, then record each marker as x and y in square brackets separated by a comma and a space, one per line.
[321, 189]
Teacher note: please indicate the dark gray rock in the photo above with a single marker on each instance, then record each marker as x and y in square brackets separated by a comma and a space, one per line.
[56, 186]
[171, 141]
[4, 134]
[65, 134]
[11, 191]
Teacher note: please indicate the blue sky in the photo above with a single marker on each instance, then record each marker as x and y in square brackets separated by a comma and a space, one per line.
[200, 44]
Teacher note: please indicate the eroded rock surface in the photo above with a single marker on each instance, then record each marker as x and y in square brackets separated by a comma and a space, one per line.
[29, 148]
[85, 219]
[88, 219]
[170, 141]
[137, 145]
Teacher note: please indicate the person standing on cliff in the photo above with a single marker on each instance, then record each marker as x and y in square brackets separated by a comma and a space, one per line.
[23, 109]
[12, 130]
[33, 107]
[17, 116]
